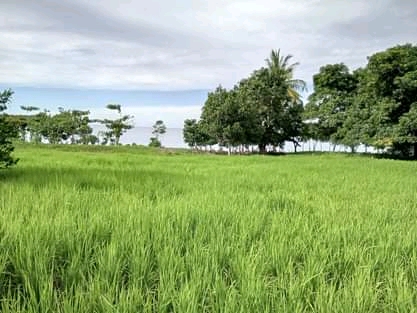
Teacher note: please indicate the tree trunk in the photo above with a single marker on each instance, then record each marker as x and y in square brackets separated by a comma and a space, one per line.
[262, 148]
[415, 151]
[352, 149]
[295, 147]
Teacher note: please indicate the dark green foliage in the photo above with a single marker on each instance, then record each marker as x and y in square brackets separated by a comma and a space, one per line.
[8, 131]
[155, 142]
[158, 129]
[331, 104]
[116, 107]
[374, 105]
[65, 126]
[117, 127]
[263, 109]
[392, 81]
[195, 134]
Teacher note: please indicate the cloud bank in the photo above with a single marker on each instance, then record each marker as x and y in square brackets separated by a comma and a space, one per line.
[188, 44]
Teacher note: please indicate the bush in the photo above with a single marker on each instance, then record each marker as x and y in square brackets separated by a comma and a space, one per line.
[155, 142]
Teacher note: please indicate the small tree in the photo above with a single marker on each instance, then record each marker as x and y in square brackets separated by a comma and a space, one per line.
[158, 129]
[8, 131]
[155, 142]
[190, 133]
[117, 127]
[31, 122]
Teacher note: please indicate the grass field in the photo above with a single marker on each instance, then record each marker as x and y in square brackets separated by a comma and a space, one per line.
[134, 230]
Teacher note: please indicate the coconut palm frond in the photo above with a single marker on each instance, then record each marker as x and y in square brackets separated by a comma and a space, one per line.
[298, 84]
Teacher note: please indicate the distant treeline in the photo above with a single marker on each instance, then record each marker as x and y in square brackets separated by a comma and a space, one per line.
[375, 106]
[72, 126]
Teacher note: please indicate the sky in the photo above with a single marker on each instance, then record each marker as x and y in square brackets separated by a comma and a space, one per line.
[159, 59]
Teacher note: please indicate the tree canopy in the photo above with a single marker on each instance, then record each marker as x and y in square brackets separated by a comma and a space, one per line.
[375, 106]
[263, 110]
[8, 131]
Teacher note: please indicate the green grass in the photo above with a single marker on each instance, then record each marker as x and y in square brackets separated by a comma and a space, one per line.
[137, 230]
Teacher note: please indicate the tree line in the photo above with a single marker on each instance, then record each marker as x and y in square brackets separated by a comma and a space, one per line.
[66, 126]
[264, 109]
[374, 105]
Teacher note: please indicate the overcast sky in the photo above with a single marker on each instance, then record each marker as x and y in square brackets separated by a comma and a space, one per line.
[187, 44]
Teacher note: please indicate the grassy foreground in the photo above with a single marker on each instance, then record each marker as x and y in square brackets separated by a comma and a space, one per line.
[128, 230]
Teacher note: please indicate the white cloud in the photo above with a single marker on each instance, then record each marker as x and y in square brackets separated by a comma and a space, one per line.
[187, 44]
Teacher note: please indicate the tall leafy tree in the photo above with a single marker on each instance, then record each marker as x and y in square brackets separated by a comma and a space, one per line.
[274, 92]
[295, 128]
[195, 134]
[63, 126]
[224, 117]
[263, 109]
[392, 85]
[334, 94]
[83, 130]
[116, 127]
[190, 133]
[158, 129]
[213, 114]
[8, 131]
[20, 123]
[406, 131]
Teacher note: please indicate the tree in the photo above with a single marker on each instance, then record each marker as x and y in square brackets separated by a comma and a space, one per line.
[158, 129]
[334, 93]
[155, 142]
[295, 129]
[278, 65]
[273, 91]
[195, 134]
[406, 132]
[263, 109]
[57, 128]
[190, 133]
[82, 127]
[223, 118]
[391, 83]
[7, 132]
[31, 125]
[117, 127]
[213, 115]
[20, 123]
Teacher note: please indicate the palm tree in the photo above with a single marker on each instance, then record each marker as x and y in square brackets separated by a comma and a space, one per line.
[279, 65]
